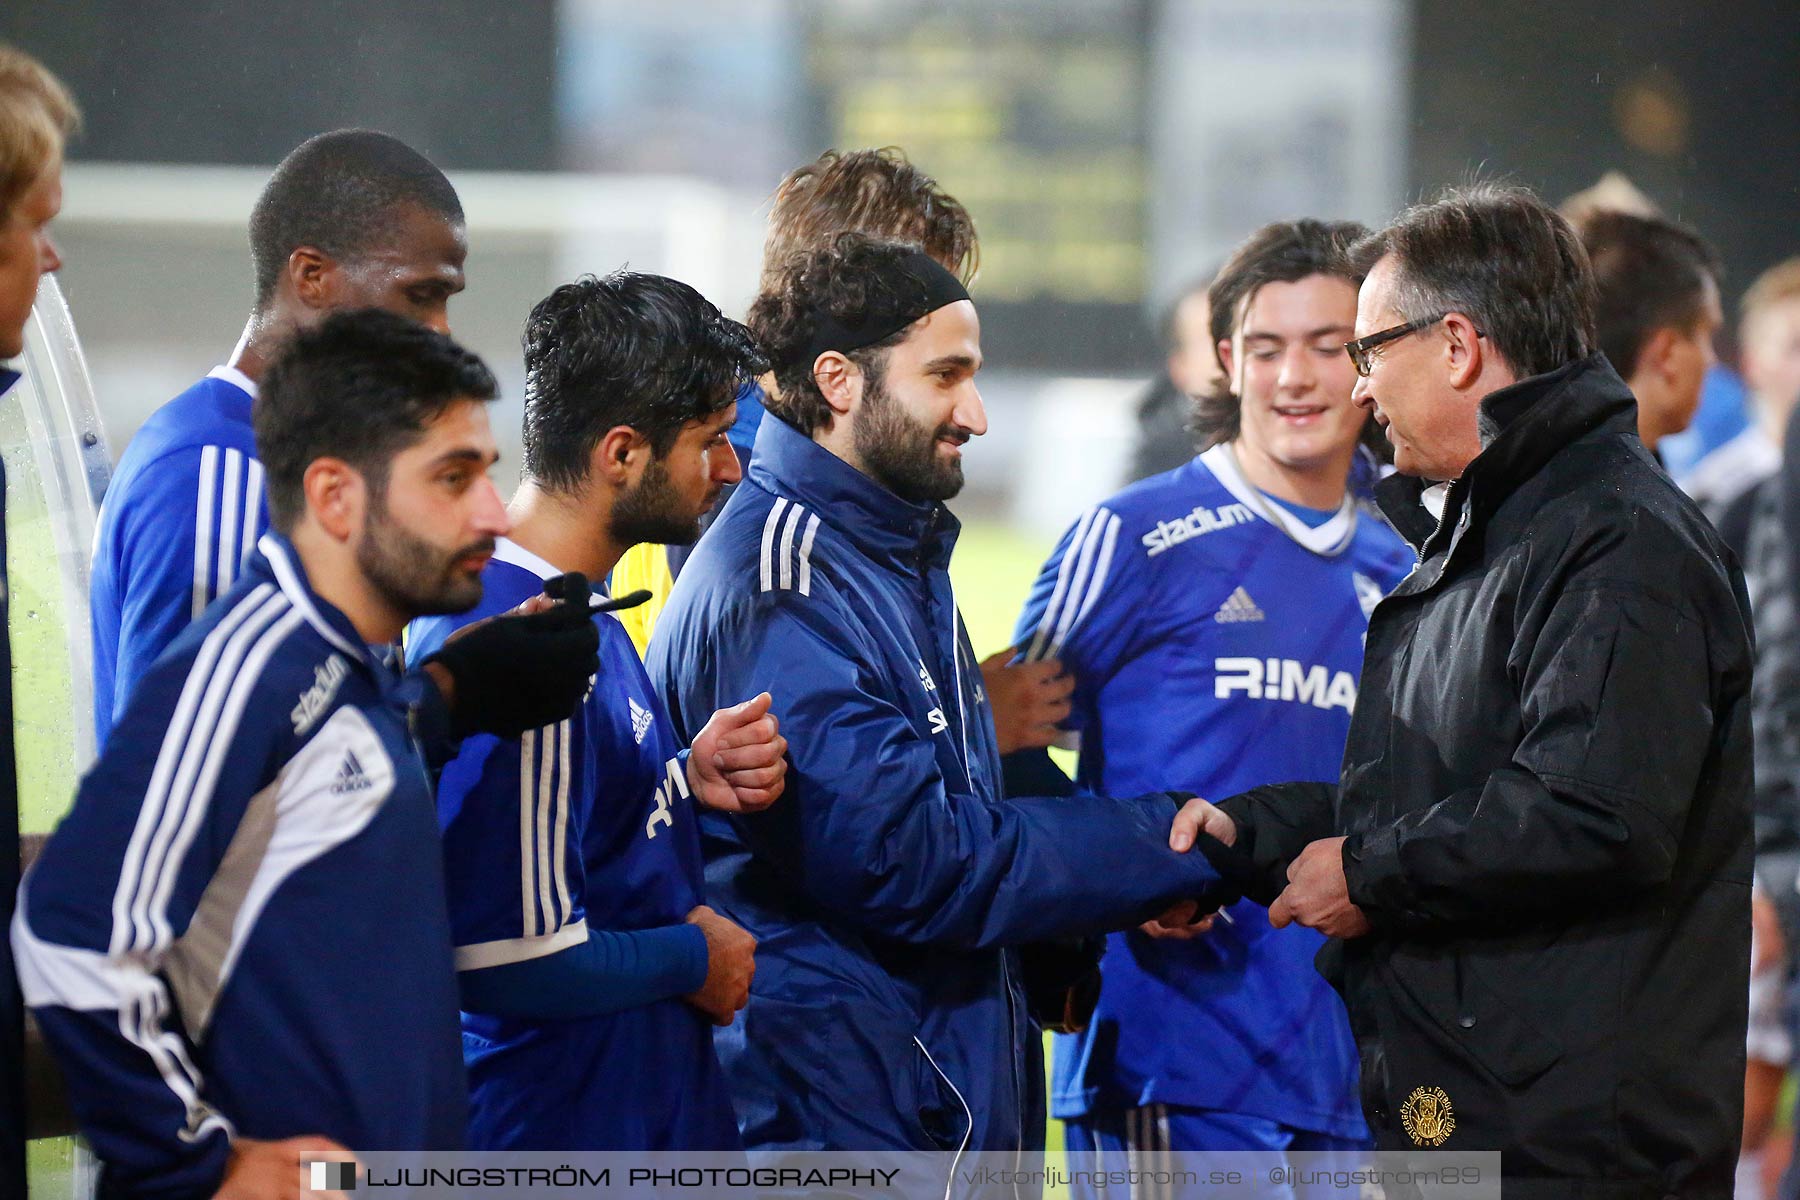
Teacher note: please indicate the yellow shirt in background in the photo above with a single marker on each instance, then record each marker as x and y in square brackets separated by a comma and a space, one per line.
[645, 565]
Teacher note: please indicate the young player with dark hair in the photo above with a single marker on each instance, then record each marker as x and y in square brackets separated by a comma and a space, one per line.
[351, 219]
[891, 885]
[1213, 619]
[1656, 312]
[591, 969]
[236, 943]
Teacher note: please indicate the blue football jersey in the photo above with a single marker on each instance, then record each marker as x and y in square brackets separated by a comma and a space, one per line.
[181, 518]
[1216, 642]
[588, 821]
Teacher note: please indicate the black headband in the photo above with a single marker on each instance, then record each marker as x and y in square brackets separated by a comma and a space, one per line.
[920, 286]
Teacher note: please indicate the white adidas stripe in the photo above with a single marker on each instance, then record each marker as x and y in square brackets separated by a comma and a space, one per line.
[787, 546]
[230, 494]
[541, 811]
[527, 853]
[782, 566]
[1096, 585]
[544, 829]
[205, 724]
[1080, 580]
[211, 756]
[806, 545]
[255, 611]
[203, 529]
[768, 542]
[253, 504]
[560, 845]
[1048, 621]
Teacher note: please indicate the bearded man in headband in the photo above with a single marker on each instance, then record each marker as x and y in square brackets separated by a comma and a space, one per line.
[888, 890]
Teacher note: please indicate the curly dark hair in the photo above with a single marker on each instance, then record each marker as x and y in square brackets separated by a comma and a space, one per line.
[627, 349]
[873, 192]
[1282, 252]
[851, 278]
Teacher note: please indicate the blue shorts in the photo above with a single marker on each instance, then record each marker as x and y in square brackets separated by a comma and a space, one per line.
[1148, 1138]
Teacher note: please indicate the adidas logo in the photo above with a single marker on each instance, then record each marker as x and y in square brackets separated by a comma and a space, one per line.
[640, 720]
[350, 777]
[1238, 607]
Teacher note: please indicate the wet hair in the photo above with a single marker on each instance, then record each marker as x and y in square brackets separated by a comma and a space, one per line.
[37, 115]
[628, 349]
[850, 279]
[1503, 258]
[344, 193]
[360, 386]
[873, 192]
[1282, 252]
[1649, 274]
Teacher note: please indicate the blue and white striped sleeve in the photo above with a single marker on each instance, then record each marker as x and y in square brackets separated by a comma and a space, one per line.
[512, 848]
[120, 883]
[185, 532]
[512, 827]
[1081, 592]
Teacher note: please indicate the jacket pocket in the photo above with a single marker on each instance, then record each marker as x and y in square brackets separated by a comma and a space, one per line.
[1468, 1018]
[944, 1113]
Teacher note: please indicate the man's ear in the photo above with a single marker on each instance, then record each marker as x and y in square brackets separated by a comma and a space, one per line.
[840, 381]
[1658, 353]
[1464, 351]
[337, 497]
[619, 457]
[1226, 358]
[313, 276]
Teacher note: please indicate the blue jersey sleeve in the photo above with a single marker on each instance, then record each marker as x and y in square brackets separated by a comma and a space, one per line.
[116, 889]
[513, 827]
[869, 829]
[183, 533]
[609, 972]
[1086, 603]
[512, 837]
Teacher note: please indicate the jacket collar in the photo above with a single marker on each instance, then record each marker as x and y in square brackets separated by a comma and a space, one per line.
[7, 379]
[282, 565]
[1522, 428]
[900, 533]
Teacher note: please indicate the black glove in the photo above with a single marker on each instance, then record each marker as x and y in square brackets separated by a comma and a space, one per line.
[1062, 981]
[518, 673]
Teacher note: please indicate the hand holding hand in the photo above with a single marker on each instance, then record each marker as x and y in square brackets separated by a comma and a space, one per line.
[1197, 817]
[739, 763]
[730, 966]
[1029, 700]
[1317, 895]
[1181, 922]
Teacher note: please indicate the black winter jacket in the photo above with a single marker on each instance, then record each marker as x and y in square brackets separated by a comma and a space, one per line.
[1546, 792]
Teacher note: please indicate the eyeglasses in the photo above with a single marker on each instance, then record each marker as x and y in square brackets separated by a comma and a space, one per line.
[1361, 351]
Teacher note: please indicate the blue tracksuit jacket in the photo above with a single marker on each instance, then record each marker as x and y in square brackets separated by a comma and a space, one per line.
[886, 884]
[240, 927]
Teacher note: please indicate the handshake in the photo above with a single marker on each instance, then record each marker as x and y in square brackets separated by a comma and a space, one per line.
[1316, 896]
